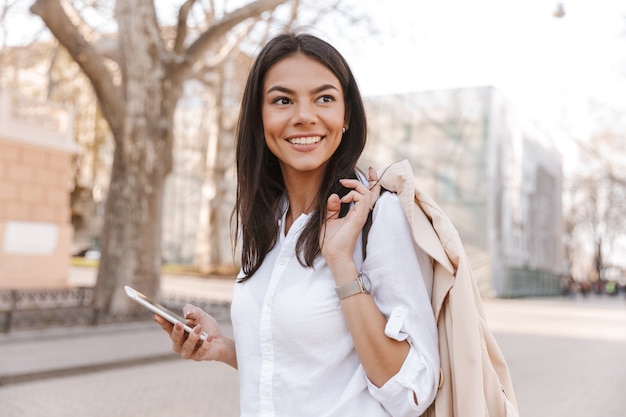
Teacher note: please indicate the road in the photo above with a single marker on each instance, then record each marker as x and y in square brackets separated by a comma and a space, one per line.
[566, 359]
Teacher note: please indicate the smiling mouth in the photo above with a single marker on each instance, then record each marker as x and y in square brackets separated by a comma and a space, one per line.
[309, 140]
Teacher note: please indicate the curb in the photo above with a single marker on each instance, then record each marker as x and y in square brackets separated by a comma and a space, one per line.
[13, 379]
[30, 355]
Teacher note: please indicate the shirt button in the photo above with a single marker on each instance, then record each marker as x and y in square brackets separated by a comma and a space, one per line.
[282, 262]
[266, 348]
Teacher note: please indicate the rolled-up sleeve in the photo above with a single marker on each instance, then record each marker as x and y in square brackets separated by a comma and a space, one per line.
[414, 380]
[398, 287]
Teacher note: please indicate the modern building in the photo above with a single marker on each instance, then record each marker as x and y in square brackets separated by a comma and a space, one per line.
[494, 173]
[36, 149]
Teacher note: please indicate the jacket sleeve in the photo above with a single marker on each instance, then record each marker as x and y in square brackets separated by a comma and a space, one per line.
[398, 287]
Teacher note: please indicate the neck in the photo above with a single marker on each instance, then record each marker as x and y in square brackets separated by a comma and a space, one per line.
[301, 191]
[301, 200]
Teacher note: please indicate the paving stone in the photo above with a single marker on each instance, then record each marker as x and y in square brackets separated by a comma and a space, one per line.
[566, 358]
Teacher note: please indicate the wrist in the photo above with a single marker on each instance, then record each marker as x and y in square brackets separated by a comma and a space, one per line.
[361, 285]
[229, 353]
[344, 271]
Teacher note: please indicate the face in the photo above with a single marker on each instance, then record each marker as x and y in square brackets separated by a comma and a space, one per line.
[303, 114]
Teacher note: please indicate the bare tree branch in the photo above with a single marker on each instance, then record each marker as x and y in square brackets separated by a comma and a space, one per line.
[229, 45]
[196, 50]
[181, 32]
[57, 20]
[203, 73]
[211, 14]
[294, 13]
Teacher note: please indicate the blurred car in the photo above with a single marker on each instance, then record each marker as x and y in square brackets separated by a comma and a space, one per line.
[88, 253]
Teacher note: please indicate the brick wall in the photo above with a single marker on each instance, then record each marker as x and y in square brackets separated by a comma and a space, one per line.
[34, 192]
[35, 223]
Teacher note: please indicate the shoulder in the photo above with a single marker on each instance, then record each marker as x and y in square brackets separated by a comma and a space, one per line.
[388, 217]
[388, 204]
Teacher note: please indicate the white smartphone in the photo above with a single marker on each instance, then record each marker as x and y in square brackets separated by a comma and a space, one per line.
[157, 308]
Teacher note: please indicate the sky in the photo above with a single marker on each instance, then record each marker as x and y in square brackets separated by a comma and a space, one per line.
[551, 69]
[548, 67]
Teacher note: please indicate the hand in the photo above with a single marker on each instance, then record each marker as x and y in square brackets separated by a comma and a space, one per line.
[189, 346]
[338, 236]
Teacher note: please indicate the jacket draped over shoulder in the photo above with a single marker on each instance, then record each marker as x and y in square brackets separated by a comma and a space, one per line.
[474, 379]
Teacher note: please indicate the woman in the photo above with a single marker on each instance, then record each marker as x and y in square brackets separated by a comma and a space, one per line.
[318, 330]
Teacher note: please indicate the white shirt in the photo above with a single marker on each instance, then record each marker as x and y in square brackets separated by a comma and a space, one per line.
[295, 353]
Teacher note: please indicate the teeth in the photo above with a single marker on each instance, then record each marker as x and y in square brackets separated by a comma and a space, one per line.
[305, 141]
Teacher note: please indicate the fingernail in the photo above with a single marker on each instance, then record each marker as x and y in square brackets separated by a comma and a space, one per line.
[197, 329]
[178, 326]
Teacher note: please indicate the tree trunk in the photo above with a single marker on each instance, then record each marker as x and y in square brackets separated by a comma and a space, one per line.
[204, 259]
[131, 237]
[138, 103]
[213, 242]
[224, 201]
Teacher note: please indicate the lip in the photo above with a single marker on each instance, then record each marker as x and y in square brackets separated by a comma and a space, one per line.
[308, 141]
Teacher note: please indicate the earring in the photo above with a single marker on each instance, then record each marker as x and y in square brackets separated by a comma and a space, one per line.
[343, 130]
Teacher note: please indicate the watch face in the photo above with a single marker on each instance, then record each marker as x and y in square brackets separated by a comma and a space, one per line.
[367, 285]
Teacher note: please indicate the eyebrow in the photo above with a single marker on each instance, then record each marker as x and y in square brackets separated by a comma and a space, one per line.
[290, 91]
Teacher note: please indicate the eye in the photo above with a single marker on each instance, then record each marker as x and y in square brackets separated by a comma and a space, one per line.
[281, 101]
[327, 98]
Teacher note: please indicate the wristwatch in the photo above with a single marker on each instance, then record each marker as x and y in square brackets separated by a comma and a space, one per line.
[360, 285]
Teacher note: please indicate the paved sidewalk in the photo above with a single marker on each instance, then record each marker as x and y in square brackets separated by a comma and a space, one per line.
[566, 359]
[566, 356]
[218, 289]
[34, 355]
[37, 354]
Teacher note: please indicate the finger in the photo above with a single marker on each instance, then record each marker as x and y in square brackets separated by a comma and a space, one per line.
[374, 186]
[353, 184]
[165, 325]
[190, 345]
[202, 349]
[178, 337]
[333, 205]
[191, 312]
[364, 195]
[353, 196]
[373, 177]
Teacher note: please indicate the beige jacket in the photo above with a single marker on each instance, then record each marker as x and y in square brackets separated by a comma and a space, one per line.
[474, 377]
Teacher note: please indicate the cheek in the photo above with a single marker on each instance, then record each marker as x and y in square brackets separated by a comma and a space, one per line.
[341, 118]
[270, 141]
[272, 125]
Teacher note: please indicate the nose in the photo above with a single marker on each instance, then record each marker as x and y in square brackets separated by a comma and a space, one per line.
[304, 114]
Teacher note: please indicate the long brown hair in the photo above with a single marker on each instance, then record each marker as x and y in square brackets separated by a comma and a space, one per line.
[259, 179]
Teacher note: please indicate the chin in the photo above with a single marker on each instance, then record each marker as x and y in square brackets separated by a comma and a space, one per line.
[307, 166]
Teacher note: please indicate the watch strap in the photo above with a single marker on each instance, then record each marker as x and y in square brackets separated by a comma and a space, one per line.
[351, 288]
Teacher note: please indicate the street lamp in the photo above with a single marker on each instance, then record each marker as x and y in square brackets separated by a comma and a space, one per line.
[559, 11]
